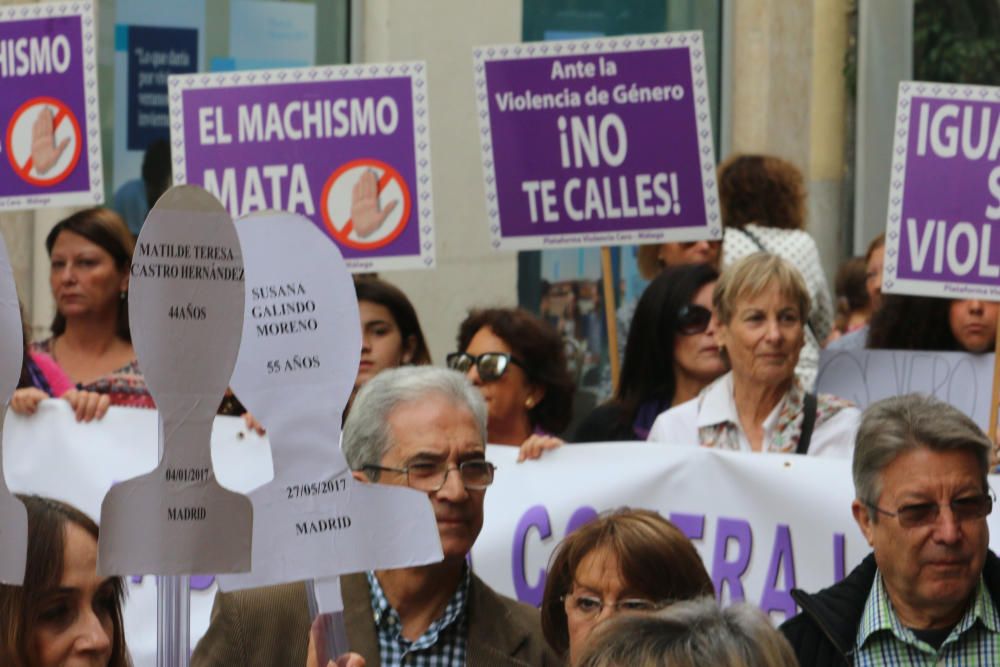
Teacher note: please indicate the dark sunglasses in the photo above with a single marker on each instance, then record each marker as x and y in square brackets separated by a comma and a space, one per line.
[490, 365]
[693, 319]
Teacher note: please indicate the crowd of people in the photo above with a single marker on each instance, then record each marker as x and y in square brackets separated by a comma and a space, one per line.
[720, 351]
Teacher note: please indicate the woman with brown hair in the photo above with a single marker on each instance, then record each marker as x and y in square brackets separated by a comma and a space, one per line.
[64, 613]
[518, 363]
[629, 561]
[90, 255]
[762, 198]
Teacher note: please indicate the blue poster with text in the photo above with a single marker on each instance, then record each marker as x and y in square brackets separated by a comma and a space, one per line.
[153, 55]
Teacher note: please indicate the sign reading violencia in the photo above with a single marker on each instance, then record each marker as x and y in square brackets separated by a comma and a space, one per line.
[50, 148]
[347, 147]
[597, 142]
[943, 232]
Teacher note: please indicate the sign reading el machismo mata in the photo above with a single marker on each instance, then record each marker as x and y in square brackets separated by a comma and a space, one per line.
[597, 142]
[50, 146]
[346, 146]
[943, 232]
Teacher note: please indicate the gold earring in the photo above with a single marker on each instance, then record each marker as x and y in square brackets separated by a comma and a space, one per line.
[529, 403]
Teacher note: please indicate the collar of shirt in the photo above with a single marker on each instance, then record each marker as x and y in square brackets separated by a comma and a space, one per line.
[719, 423]
[387, 621]
[878, 617]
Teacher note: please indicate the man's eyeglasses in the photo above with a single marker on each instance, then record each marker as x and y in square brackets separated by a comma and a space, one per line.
[591, 606]
[490, 365]
[693, 319]
[965, 508]
[430, 477]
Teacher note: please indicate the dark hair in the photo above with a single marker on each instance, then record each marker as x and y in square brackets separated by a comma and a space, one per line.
[761, 189]
[849, 287]
[648, 369]
[392, 298]
[19, 605]
[656, 560]
[105, 228]
[907, 322]
[539, 345]
[156, 171]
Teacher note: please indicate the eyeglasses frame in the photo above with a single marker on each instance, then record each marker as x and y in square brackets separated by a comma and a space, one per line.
[444, 480]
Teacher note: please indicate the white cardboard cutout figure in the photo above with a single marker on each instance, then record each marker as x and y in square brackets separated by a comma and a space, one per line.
[296, 369]
[13, 516]
[186, 313]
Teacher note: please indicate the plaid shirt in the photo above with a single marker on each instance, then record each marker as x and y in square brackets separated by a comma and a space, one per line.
[883, 640]
[443, 644]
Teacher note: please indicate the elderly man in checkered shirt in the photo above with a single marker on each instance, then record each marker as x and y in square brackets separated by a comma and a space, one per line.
[423, 427]
[930, 591]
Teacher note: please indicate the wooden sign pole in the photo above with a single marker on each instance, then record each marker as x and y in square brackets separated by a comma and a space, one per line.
[609, 313]
[991, 428]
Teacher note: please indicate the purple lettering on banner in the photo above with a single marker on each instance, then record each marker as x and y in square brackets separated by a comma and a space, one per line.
[839, 557]
[782, 560]
[202, 582]
[726, 571]
[581, 516]
[535, 517]
[692, 525]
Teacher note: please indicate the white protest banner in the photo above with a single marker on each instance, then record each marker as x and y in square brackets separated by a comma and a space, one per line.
[346, 146]
[50, 153]
[943, 232]
[866, 376]
[52, 455]
[295, 373]
[745, 512]
[13, 516]
[186, 315]
[597, 142]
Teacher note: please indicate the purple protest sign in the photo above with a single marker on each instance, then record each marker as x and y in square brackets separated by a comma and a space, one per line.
[943, 236]
[346, 146]
[597, 142]
[51, 144]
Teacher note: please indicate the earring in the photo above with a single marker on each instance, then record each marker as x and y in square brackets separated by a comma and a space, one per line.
[529, 403]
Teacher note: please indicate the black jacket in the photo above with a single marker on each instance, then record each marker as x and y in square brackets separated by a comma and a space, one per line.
[823, 635]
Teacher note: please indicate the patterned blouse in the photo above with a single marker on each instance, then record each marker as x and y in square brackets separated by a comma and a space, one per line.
[125, 385]
[711, 420]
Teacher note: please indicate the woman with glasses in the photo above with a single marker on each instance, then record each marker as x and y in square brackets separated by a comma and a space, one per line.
[671, 355]
[761, 303]
[628, 561]
[518, 363]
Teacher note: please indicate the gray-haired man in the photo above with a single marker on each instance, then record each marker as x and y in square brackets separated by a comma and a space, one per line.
[930, 591]
[425, 427]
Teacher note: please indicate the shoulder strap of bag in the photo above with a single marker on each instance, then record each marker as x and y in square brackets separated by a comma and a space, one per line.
[809, 406]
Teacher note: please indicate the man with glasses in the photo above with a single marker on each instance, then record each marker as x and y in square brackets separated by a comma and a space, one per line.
[929, 593]
[423, 427]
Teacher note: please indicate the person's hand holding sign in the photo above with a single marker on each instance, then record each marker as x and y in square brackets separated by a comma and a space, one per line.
[365, 212]
[44, 152]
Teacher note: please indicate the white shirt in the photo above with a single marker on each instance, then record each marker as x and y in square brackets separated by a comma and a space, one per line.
[833, 433]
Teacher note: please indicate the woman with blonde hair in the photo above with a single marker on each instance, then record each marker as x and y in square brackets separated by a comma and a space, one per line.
[761, 405]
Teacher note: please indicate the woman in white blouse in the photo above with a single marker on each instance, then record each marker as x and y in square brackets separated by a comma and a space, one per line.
[761, 303]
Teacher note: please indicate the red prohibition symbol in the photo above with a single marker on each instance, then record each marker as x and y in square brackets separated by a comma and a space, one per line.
[339, 194]
[44, 141]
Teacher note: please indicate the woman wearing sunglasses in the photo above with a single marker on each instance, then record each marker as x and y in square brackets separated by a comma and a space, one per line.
[761, 303]
[517, 362]
[670, 356]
